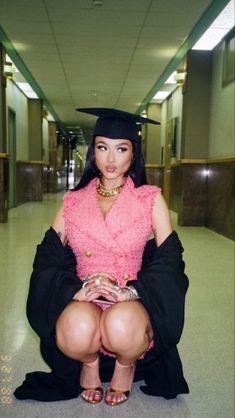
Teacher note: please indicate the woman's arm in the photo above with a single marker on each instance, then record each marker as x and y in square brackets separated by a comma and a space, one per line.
[161, 221]
[59, 226]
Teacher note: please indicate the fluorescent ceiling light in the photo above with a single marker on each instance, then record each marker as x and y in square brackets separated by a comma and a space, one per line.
[8, 59]
[218, 29]
[50, 117]
[161, 95]
[27, 90]
[171, 79]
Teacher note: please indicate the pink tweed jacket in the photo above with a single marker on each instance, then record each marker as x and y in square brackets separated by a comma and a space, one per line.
[114, 243]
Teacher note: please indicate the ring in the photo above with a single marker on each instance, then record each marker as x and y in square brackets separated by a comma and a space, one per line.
[88, 291]
[97, 281]
[113, 295]
[86, 281]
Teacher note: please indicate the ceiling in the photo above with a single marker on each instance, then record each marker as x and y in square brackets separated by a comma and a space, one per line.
[82, 55]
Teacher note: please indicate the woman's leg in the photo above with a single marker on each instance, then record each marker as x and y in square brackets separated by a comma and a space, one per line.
[126, 331]
[78, 337]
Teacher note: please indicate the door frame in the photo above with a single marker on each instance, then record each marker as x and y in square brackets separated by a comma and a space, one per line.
[167, 161]
[11, 138]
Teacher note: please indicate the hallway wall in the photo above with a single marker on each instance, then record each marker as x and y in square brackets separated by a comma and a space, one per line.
[45, 138]
[18, 102]
[222, 111]
[32, 140]
[172, 108]
[203, 176]
[196, 105]
[202, 168]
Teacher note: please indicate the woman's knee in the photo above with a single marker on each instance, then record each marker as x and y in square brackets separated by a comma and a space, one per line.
[78, 327]
[124, 325]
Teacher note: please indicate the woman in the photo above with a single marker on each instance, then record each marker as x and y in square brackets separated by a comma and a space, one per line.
[106, 315]
[112, 308]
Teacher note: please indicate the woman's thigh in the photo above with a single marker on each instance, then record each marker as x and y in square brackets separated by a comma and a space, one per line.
[78, 326]
[126, 324]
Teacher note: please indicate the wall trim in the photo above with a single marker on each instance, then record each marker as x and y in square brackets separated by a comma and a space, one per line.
[29, 162]
[204, 161]
[221, 160]
[154, 165]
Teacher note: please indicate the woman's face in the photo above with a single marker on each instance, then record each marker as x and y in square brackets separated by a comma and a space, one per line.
[113, 157]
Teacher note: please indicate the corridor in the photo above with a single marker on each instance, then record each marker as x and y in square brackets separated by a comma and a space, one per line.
[206, 347]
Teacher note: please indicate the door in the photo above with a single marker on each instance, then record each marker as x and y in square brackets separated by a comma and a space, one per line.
[12, 158]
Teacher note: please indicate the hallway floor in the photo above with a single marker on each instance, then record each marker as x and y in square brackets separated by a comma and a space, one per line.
[206, 347]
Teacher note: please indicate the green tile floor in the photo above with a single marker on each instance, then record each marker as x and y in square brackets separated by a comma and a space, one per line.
[206, 347]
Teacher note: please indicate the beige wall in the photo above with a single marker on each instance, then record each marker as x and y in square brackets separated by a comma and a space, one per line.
[221, 138]
[208, 109]
[153, 135]
[172, 108]
[177, 113]
[196, 105]
[163, 124]
[29, 130]
[45, 141]
[35, 129]
[17, 101]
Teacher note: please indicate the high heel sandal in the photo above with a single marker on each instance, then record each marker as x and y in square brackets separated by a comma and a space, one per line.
[110, 391]
[125, 393]
[96, 390]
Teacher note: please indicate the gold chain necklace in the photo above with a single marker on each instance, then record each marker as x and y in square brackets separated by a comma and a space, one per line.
[102, 191]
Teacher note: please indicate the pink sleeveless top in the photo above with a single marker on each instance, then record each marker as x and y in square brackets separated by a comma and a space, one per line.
[113, 243]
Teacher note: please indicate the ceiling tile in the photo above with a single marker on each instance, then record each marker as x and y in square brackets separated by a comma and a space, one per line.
[94, 18]
[105, 56]
[11, 12]
[17, 26]
[22, 3]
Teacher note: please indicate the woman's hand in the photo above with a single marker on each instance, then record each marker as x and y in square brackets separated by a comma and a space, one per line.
[87, 294]
[103, 285]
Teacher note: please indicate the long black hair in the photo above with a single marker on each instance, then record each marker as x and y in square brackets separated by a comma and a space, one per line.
[136, 170]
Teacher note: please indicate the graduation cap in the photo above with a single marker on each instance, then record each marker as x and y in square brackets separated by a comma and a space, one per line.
[117, 124]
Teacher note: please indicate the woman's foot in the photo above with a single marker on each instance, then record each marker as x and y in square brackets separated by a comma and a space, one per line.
[90, 382]
[120, 386]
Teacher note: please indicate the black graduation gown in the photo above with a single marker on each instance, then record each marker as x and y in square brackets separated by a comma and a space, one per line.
[162, 286]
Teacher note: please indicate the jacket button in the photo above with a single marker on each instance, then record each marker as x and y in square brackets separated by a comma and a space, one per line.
[87, 253]
[126, 276]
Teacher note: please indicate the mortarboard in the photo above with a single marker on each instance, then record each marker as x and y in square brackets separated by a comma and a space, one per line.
[117, 124]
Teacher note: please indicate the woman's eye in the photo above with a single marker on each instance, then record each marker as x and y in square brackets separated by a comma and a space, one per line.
[101, 147]
[122, 149]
